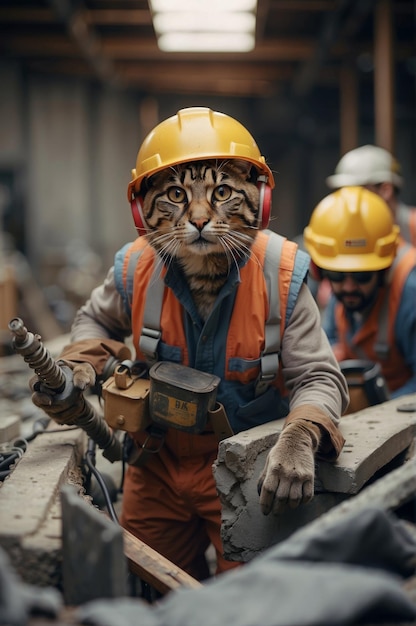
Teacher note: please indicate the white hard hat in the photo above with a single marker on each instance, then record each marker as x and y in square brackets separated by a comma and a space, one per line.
[367, 165]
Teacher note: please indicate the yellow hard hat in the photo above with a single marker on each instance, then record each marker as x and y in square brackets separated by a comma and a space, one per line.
[352, 230]
[195, 134]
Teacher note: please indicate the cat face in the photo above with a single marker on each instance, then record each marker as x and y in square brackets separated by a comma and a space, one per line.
[202, 208]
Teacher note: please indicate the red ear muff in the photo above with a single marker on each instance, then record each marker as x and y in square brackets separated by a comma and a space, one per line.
[138, 217]
[265, 202]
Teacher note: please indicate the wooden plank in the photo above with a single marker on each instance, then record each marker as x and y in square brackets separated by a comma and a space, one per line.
[153, 568]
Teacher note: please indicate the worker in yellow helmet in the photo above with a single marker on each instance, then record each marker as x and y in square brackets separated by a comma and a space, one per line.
[354, 243]
[206, 286]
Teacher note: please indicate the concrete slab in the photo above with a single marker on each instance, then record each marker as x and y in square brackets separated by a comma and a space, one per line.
[374, 437]
[30, 520]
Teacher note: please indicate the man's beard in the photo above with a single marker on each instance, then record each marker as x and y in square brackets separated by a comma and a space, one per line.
[355, 301]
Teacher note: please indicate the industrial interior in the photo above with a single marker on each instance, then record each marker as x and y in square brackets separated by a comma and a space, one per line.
[82, 83]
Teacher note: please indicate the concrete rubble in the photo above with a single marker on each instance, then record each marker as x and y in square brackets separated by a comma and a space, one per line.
[377, 439]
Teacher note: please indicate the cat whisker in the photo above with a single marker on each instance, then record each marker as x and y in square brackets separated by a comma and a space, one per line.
[239, 246]
[167, 250]
[248, 249]
[221, 165]
[162, 241]
[159, 264]
[241, 236]
[229, 252]
[165, 257]
[235, 240]
[158, 238]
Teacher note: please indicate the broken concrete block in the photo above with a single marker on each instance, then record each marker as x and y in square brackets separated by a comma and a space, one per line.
[93, 561]
[30, 520]
[374, 437]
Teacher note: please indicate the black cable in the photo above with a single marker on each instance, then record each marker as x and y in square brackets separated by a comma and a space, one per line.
[90, 461]
[10, 455]
[39, 426]
[9, 460]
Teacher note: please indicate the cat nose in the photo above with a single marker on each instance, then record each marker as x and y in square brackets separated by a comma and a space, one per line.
[200, 223]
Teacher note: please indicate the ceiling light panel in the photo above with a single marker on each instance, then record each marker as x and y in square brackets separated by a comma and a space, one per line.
[206, 42]
[204, 25]
[207, 21]
[202, 5]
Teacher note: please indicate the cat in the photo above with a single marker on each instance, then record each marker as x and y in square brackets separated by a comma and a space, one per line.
[205, 215]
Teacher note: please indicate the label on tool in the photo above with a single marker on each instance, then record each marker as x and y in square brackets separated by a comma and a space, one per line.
[174, 410]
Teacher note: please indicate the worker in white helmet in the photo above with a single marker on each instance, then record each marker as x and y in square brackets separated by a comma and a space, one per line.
[376, 169]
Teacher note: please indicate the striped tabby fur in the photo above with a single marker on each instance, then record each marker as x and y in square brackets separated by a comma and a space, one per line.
[204, 214]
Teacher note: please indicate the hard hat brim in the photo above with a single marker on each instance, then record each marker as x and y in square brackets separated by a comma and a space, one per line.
[336, 181]
[351, 263]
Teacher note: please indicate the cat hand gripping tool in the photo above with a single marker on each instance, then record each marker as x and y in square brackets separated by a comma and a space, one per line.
[57, 380]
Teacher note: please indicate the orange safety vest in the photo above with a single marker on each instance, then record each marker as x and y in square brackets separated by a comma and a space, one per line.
[375, 340]
[266, 295]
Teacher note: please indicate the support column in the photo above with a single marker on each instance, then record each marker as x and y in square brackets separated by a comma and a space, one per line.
[348, 108]
[384, 76]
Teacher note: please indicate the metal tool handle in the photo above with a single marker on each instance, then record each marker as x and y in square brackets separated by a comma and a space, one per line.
[52, 376]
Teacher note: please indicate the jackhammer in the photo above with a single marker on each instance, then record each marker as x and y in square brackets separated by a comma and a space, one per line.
[58, 380]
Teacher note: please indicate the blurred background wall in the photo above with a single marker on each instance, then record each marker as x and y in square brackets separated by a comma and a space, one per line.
[68, 141]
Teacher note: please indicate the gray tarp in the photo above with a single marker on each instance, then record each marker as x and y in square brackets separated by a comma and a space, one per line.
[350, 573]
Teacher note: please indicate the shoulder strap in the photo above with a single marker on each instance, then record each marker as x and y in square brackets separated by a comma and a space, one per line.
[125, 263]
[151, 332]
[285, 267]
[269, 364]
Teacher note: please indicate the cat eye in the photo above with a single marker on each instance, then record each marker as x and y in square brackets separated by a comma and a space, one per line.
[176, 194]
[222, 192]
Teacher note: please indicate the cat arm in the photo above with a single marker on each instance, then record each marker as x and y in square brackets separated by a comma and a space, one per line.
[318, 397]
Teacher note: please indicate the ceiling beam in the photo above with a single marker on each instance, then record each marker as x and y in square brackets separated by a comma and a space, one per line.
[85, 38]
[118, 47]
[118, 17]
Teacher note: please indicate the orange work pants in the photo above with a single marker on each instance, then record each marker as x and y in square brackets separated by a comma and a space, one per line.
[171, 503]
